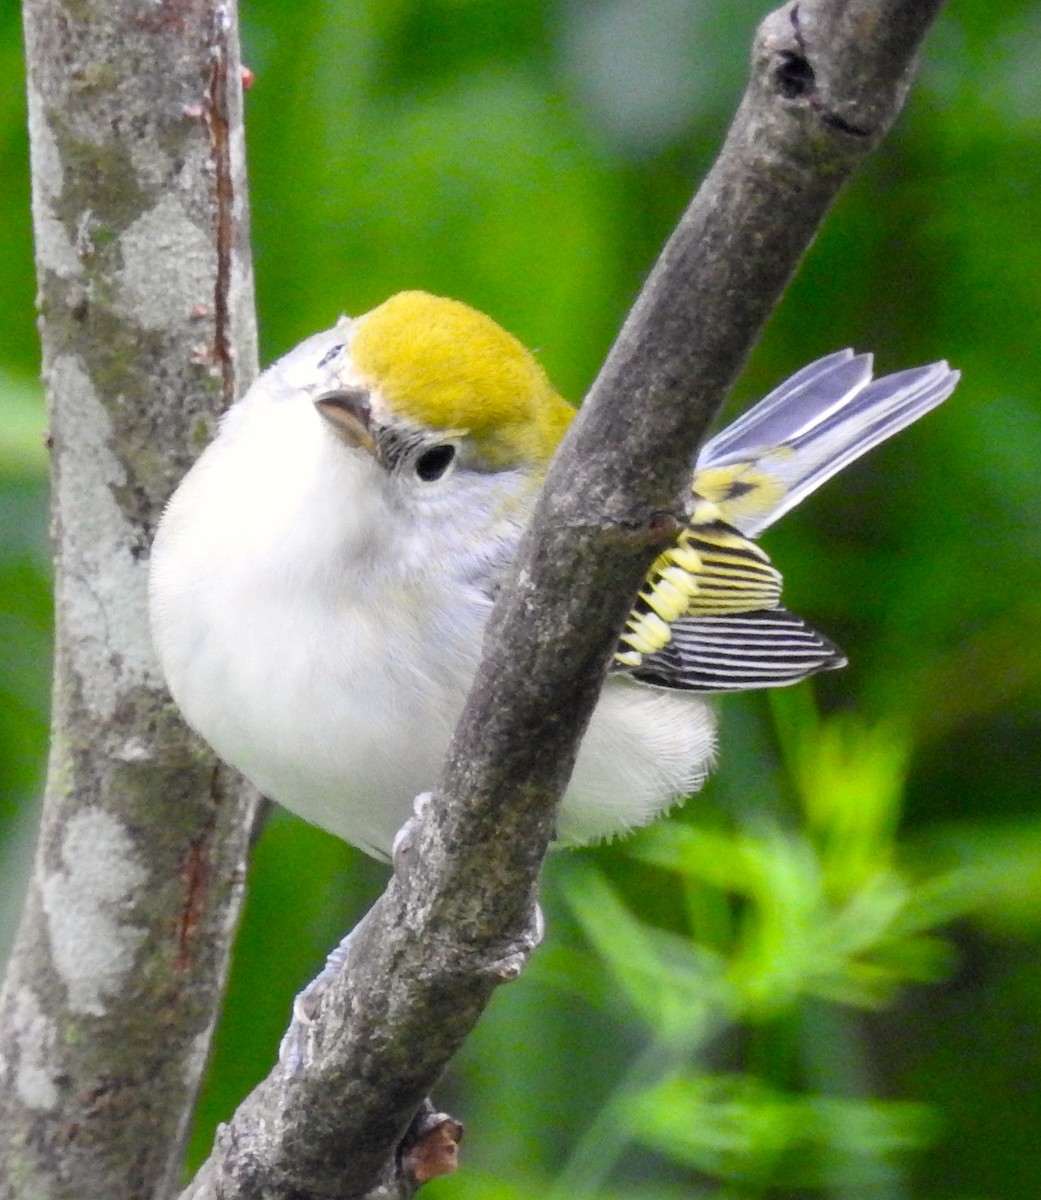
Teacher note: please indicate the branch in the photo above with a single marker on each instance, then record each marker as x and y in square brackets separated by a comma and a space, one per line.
[147, 323]
[828, 79]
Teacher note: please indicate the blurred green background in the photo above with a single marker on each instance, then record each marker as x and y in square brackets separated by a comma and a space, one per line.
[823, 977]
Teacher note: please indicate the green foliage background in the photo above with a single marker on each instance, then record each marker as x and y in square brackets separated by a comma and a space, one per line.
[822, 977]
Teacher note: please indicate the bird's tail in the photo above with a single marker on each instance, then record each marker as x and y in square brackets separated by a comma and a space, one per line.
[823, 417]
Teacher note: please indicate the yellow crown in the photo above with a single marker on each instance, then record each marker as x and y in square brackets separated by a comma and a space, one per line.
[444, 365]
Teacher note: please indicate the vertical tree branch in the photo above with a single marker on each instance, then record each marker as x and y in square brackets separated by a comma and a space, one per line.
[146, 304]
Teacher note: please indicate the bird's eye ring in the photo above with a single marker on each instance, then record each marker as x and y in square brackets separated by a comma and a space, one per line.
[432, 464]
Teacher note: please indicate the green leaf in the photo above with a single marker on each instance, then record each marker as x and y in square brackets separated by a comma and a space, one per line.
[739, 1130]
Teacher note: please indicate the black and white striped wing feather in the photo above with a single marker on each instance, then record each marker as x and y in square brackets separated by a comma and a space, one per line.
[739, 652]
[709, 617]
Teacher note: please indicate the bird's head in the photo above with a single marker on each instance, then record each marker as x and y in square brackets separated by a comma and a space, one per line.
[421, 425]
[429, 385]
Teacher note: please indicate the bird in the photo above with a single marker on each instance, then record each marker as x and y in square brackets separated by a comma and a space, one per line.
[321, 579]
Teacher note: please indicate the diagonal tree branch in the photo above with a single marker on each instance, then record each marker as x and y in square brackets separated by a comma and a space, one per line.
[828, 79]
[147, 324]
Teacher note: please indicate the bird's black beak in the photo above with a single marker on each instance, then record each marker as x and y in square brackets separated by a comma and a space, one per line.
[349, 413]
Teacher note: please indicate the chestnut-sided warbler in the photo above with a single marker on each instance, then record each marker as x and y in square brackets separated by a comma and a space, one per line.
[322, 577]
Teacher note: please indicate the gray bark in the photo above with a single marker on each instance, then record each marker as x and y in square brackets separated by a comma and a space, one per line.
[147, 323]
[828, 78]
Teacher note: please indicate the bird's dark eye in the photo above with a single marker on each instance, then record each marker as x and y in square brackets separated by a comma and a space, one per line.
[433, 463]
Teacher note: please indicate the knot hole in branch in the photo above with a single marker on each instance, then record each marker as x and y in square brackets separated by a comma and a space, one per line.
[795, 75]
[796, 80]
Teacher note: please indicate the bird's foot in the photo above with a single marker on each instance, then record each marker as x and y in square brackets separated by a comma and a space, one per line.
[509, 966]
[403, 849]
[294, 1052]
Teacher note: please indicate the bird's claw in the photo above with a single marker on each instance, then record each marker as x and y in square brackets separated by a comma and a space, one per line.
[403, 848]
[510, 965]
[294, 1051]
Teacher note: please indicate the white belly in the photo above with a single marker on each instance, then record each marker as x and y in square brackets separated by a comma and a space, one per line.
[344, 725]
[347, 733]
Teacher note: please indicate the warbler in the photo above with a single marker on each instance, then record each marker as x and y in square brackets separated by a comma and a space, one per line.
[321, 579]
